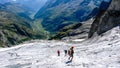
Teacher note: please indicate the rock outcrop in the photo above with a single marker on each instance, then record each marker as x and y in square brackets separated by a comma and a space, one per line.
[75, 31]
[106, 19]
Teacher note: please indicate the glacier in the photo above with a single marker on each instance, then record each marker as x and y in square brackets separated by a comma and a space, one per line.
[99, 52]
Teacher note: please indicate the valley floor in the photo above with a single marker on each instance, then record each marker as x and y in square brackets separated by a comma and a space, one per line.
[100, 52]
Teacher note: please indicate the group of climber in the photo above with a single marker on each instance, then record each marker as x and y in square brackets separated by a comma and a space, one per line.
[69, 52]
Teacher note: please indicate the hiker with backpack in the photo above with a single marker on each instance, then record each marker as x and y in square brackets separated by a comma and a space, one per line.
[65, 51]
[58, 52]
[70, 53]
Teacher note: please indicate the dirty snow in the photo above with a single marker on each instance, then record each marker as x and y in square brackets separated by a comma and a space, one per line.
[100, 52]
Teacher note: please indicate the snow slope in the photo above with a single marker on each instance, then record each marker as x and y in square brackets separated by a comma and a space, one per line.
[100, 52]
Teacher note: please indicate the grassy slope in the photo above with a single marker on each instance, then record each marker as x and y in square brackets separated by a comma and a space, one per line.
[14, 28]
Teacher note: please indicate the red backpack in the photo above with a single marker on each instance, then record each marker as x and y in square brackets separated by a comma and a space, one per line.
[69, 52]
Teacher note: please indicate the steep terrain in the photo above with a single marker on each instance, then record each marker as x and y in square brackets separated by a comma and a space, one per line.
[14, 28]
[75, 31]
[106, 19]
[57, 14]
[101, 52]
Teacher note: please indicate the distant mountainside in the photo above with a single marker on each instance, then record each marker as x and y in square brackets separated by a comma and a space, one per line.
[63, 18]
[56, 14]
[19, 9]
[35, 5]
[15, 28]
[106, 19]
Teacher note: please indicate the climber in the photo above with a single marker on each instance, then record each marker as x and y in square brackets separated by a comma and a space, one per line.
[70, 53]
[58, 52]
[65, 51]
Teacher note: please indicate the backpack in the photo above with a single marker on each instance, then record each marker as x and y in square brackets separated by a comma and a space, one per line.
[69, 52]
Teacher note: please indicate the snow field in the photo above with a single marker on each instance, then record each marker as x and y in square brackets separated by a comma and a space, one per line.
[100, 52]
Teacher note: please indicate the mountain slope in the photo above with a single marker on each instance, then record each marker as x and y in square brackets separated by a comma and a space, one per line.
[106, 19]
[34, 5]
[57, 14]
[75, 31]
[20, 9]
[102, 53]
[14, 29]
